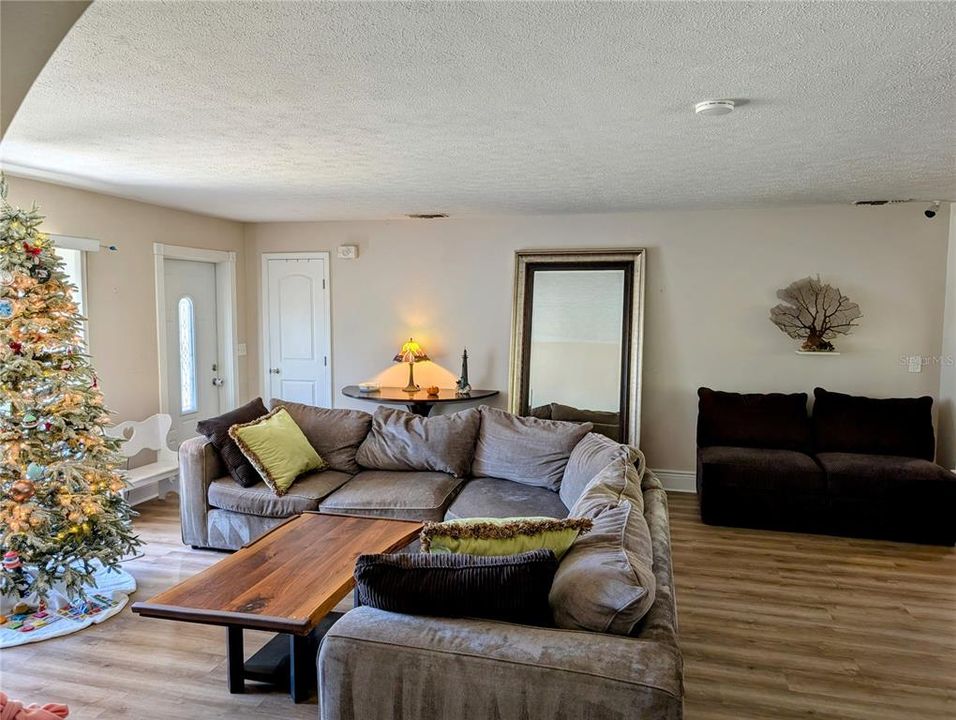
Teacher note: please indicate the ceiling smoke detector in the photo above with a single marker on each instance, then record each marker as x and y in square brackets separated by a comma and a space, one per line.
[712, 108]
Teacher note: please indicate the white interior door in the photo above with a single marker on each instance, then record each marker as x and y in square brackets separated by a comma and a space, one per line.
[192, 340]
[298, 331]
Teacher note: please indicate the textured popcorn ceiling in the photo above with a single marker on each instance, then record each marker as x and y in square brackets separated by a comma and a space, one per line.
[295, 111]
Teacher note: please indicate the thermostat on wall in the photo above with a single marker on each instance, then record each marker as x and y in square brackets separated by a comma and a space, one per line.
[348, 252]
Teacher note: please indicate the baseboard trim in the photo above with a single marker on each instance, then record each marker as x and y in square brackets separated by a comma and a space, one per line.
[677, 480]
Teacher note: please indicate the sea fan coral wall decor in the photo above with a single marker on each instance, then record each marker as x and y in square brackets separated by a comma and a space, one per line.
[814, 312]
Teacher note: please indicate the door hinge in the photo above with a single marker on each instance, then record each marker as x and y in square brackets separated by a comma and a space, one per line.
[325, 361]
[323, 284]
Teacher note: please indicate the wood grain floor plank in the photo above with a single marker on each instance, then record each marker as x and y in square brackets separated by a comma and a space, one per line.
[774, 626]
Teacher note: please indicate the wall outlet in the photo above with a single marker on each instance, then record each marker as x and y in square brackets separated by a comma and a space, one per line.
[241, 349]
[915, 364]
[348, 252]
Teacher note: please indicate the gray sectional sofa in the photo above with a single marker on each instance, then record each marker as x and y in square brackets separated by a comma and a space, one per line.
[377, 664]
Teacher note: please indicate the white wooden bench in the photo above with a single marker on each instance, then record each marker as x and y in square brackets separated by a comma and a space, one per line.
[156, 479]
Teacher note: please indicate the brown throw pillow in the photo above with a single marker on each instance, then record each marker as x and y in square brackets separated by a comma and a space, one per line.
[217, 430]
[400, 440]
[512, 588]
[334, 433]
[523, 449]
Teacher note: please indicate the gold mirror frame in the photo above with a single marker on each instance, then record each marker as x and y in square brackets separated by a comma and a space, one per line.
[633, 259]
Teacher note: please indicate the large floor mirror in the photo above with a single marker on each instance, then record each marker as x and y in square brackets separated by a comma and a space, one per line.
[577, 338]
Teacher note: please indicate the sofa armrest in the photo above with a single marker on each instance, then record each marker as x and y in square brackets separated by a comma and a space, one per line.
[377, 664]
[199, 465]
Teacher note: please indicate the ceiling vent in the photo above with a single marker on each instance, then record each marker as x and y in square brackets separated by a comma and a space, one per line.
[879, 202]
[426, 216]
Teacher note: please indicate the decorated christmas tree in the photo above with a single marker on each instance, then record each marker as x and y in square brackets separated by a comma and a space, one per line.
[61, 506]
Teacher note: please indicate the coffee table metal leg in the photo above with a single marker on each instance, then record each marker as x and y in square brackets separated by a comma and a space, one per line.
[301, 667]
[237, 675]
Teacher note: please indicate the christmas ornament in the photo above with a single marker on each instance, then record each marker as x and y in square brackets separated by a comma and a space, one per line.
[11, 561]
[29, 420]
[22, 490]
[6, 308]
[66, 365]
[31, 249]
[6, 278]
[16, 347]
[35, 471]
[40, 273]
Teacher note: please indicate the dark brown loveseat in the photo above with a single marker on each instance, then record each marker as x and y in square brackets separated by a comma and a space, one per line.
[859, 466]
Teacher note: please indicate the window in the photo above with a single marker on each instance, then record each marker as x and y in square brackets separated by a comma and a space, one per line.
[73, 267]
[72, 251]
[188, 395]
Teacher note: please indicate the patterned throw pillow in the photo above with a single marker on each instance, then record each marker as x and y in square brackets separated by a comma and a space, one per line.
[277, 448]
[502, 536]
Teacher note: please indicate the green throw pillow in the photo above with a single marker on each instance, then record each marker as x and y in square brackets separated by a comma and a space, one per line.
[502, 536]
[277, 448]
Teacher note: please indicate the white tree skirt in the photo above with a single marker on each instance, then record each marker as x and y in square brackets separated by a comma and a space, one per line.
[106, 597]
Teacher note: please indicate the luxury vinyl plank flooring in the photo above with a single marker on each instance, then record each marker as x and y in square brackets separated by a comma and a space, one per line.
[774, 626]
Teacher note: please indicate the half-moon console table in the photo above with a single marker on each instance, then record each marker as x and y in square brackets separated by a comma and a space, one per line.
[420, 403]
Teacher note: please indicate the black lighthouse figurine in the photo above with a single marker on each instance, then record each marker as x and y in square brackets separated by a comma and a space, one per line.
[464, 387]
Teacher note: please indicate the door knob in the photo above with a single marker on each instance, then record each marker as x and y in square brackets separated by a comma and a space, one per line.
[274, 371]
[217, 381]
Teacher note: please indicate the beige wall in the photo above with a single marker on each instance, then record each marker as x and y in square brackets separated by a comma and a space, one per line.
[947, 380]
[121, 285]
[711, 280]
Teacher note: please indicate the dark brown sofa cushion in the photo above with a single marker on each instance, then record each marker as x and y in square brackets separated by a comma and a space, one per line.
[217, 430]
[892, 426]
[756, 420]
[335, 434]
[759, 469]
[885, 476]
[510, 587]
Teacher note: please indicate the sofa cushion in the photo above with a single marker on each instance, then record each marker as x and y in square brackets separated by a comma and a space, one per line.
[893, 426]
[217, 430]
[604, 422]
[491, 497]
[335, 434]
[749, 468]
[400, 440]
[404, 495]
[617, 481]
[588, 458]
[608, 584]
[886, 476]
[259, 499]
[513, 588]
[525, 450]
[771, 420]
[606, 581]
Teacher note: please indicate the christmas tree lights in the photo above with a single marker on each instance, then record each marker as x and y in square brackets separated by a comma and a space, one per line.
[61, 502]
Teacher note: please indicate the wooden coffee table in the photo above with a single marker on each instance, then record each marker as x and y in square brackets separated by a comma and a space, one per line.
[287, 581]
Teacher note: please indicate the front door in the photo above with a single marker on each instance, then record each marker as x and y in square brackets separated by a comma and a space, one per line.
[192, 340]
[298, 332]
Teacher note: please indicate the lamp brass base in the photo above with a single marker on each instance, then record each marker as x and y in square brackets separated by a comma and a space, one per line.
[411, 387]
